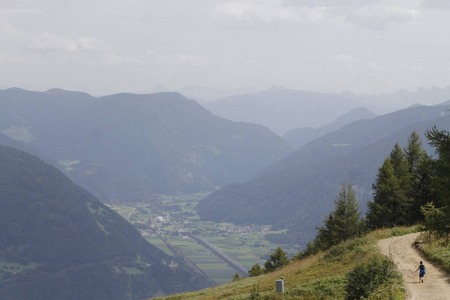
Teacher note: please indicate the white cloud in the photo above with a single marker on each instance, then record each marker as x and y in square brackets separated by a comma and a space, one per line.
[379, 16]
[2, 59]
[380, 69]
[48, 42]
[178, 59]
[270, 10]
[92, 44]
[343, 58]
[369, 14]
[114, 59]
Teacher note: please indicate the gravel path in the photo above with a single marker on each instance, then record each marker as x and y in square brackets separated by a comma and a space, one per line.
[436, 283]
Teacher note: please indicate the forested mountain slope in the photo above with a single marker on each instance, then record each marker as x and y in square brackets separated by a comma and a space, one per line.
[298, 191]
[126, 147]
[58, 242]
[300, 136]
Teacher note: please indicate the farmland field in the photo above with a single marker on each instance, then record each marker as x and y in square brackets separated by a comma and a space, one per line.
[171, 222]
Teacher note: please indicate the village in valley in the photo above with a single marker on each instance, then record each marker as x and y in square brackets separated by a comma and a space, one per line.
[218, 250]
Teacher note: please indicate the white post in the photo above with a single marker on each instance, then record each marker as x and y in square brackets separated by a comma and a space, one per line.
[280, 285]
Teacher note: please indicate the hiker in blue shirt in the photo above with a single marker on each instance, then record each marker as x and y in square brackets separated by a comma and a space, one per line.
[422, 271]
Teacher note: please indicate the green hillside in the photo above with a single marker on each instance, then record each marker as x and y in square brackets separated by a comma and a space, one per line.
[128, 147]
[59, 242]
[297, 191]
[322, 276]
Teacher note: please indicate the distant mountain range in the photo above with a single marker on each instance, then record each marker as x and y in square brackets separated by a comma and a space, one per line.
[126, 147]
[59, 242]
[301, 136]
[203, 94]
[282, 110]
[298, 191]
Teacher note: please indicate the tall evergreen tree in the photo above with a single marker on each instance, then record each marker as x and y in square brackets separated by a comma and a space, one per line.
[343, 223]
[403, 200]
[392, 192]
[400, 164]
[381, 212]
[414, 152]
[420, 169]
[437, 214]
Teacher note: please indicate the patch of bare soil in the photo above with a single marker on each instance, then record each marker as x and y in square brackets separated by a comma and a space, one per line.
[401, 249]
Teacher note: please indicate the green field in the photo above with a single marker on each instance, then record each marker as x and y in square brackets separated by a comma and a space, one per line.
[174, 217]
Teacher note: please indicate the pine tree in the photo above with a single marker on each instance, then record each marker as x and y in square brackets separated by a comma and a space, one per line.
[381, 210]
[343, 222]
[437, 214]
[277, 260]
[346, 215]
[393, 188]
[403, 203]
[256, 270]
[414, 152]
[421, 172]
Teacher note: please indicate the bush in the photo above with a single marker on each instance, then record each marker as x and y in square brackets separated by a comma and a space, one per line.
[367, 277]
[278, 259]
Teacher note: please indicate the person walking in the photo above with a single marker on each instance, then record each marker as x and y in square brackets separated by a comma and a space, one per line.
[422, 271]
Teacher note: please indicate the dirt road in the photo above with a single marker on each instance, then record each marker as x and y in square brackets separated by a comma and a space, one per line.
[436, 283]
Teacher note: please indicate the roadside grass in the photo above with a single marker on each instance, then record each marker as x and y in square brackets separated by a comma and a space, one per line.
[436, 250]
[322, 276]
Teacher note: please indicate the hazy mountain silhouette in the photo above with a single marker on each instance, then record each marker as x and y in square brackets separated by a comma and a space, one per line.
[298, 191]
[301, 136]
[59, 242]
[125, 147]
[281, 109]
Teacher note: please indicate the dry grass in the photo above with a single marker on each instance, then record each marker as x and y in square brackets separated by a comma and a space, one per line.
[321, 276]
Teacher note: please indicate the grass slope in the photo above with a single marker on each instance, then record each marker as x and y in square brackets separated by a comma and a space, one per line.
[322, 276]
[436, 250]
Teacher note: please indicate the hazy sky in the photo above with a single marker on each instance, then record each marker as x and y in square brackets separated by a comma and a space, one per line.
[104, 47]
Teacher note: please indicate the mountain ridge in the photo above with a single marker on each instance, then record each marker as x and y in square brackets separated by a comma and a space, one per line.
[154, 143]
[59, 242]
[298, 191]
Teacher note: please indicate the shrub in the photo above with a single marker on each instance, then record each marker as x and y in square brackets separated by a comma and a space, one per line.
[365, 278]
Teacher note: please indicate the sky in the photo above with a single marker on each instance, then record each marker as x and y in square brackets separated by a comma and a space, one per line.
[105, 47]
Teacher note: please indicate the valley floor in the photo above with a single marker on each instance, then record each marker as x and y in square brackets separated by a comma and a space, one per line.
[436, 283]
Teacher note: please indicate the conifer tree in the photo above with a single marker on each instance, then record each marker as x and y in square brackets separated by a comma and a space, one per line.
[256, 270]
[402, 171]
[400, 164]
[277, 260]
[343, 222]
[381, 212]
[421, 172]
[437, 214]
[414, 152]
[392, 191]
